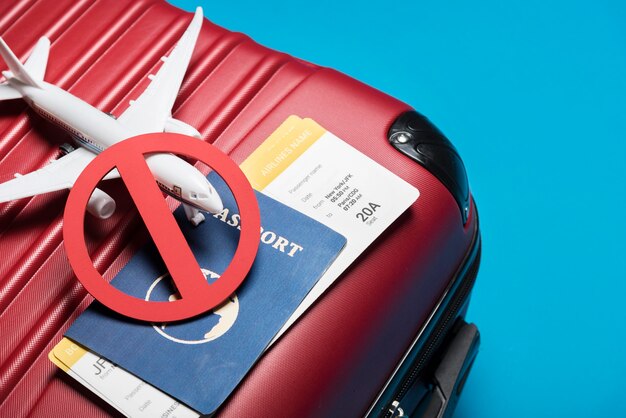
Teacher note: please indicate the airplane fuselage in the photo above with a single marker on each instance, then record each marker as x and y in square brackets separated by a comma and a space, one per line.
[96, 131]
[91, 128]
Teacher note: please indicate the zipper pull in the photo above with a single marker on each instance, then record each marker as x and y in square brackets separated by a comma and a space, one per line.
[396, 411]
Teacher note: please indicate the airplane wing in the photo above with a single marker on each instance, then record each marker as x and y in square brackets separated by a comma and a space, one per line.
[153, 108]
[59, 174]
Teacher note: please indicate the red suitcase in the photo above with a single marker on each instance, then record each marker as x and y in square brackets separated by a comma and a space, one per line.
[387, 339]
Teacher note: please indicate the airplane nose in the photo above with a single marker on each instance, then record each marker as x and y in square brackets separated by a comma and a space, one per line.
[212, 202]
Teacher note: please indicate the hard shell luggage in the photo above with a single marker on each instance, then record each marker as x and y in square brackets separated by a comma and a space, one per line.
[388, 339]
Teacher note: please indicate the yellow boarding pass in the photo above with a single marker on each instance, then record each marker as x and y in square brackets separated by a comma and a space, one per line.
[313, 171]
[124, 391]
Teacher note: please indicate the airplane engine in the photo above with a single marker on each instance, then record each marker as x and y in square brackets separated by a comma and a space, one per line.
[179, 127]
[100, 204]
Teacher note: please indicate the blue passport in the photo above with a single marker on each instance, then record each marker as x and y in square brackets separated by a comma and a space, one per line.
[201, 361]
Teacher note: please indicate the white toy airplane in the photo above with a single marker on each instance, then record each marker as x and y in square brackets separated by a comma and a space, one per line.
[94, 130]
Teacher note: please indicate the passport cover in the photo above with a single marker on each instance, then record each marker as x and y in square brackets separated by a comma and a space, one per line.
[201, 361]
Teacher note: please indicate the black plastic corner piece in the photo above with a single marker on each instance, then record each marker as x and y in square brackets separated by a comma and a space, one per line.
[416, 137]
[451, 374]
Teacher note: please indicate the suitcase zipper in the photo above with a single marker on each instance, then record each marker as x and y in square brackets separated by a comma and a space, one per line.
[444, 324]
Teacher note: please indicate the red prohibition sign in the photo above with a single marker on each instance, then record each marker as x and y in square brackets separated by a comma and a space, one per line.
[197, 295]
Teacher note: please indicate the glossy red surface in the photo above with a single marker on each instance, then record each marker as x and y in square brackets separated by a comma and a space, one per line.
[337, 357]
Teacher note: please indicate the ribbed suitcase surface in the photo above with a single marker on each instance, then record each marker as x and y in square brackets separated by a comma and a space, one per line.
[334, 360]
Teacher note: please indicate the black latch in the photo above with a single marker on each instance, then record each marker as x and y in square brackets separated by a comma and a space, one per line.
[437, 396]
[415, 136]
[452, 372]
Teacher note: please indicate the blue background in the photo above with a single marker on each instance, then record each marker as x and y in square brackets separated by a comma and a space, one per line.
[532, 93]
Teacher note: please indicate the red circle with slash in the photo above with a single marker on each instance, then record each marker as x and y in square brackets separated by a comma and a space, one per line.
[197, 295]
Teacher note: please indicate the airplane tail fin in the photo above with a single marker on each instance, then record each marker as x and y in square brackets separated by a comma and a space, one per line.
[7, 92]
[38, 60]
[31, 72]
